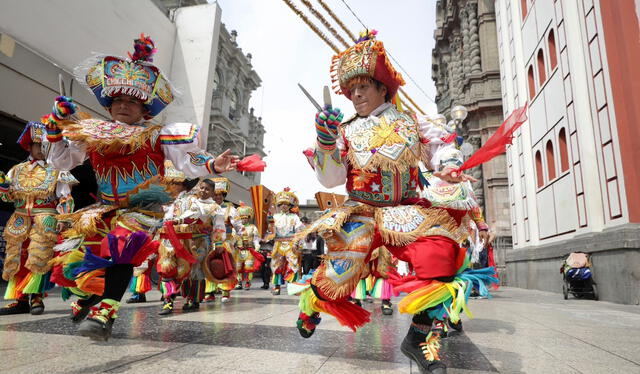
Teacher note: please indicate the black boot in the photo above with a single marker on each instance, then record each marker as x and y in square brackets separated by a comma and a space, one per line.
[96, 329]
[190, 305]
[81, 308]
[387, 308]
[137, 298]
[307, 324]
[167, 307]
[16, 307]
[422, 346]
[99, 323]
[456, 326]
[36, 305]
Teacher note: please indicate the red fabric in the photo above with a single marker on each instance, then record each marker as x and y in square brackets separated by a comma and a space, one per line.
[258, 259]
[497, 143]
[430, 256]
[347, 313]
[143, 253]
[308, 155]
[180, 250]
[57, 277]
[109, 165]
[121, 234]
[251, 163]
[228, 263]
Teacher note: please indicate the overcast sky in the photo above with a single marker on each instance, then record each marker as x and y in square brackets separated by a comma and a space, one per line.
[285, 51]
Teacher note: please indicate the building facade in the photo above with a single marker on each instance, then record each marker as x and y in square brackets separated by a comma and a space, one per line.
[466, 72]
[232, 123]
[573, 172]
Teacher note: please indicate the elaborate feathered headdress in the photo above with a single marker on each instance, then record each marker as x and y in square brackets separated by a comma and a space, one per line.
[110, 76]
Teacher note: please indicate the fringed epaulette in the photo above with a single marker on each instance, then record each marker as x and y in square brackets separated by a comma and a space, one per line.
[108, 136]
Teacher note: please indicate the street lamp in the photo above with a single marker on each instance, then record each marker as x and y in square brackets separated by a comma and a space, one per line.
[459, 113]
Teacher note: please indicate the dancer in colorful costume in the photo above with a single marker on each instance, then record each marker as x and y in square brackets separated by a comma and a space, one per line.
[377, 155]
[207, 224]
[141, 281]
[455, 198]
[374, 282]
[223, 279]
[128, 157]
[285, 256]
[39, 193]
[175, 255]
[248, 259]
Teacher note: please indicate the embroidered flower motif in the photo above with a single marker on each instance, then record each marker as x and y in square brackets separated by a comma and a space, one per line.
[362, 179]
[385, 134]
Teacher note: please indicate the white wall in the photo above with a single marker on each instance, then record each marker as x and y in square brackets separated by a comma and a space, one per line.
[195, 55]
[66, 32]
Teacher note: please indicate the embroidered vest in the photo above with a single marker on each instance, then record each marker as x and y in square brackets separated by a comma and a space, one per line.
[383, 154]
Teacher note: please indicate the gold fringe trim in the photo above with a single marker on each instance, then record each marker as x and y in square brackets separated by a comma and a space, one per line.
[378, 161]
[341, 213]
[333, 290]
[86, 221]
[79, 131]
[29, 196]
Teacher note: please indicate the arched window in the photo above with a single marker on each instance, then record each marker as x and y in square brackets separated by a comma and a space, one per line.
[553, 58]
[532, 83]
[523, 6]
[564, 151]
[541, 70]
[233, 100]
[216, 81]
[551, 162]
[539, 176]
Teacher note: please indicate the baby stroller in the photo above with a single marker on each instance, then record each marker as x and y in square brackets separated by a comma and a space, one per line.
[577, 276]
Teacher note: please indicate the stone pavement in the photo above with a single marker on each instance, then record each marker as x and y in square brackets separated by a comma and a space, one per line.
[518, 331]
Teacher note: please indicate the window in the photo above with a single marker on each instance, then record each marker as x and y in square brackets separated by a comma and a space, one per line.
[564, 152]
[541, 70]
[553, 59]
[532, 83]
[233, 100]
[539, 176]
[551, 162]
[216, 81]
[233, 104]
[523, 6]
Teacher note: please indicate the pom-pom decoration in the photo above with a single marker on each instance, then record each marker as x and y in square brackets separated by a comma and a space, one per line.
[144, 49]
[367, 35]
